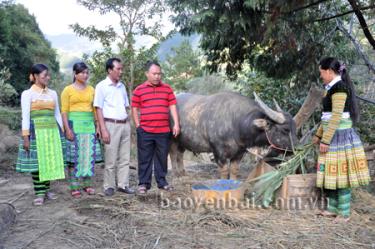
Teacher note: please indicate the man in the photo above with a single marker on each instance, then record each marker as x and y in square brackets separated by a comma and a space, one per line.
[153, 100]
[111, 101]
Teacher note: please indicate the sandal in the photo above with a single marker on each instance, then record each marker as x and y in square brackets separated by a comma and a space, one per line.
[327, 213]
[76, 193]
[51, 196]
[142, 190]
[341, 219]
[89, 190]
[168, 188]
[38, 201]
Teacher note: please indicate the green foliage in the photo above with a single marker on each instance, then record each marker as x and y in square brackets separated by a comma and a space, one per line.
[12, 117]
[132, 21]
[366, 125]
[22, 44]
[210, 84]
[96, 63]
[267, 184]
[7, 91]
[183, 65]
[135, 72]
[278, 38]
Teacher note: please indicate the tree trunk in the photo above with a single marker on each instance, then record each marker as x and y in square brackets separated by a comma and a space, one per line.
[308, 107]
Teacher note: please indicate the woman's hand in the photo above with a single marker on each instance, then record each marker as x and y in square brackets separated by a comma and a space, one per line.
[316, 140]
[323, 148]
[69, 134]
[26, 143]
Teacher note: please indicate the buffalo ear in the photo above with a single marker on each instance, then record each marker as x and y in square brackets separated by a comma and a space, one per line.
[260, 123]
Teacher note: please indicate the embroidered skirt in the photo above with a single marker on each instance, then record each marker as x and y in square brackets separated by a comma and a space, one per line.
[345, 163]
[85, 150]
[46, 150]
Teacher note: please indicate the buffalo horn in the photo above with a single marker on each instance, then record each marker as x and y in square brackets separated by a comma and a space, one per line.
[278, 108]
[274, 115]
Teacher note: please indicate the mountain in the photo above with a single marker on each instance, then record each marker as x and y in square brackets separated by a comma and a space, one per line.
[72, 44]
[70, 47]
[174, 41]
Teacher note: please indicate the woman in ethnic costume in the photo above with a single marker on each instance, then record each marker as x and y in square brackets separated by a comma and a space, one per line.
[342, 163]
[41, 150]
[79, 118]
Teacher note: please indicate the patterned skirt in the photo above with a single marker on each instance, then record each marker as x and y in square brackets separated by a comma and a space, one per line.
[85, 150]
[345, 163]
[46, 150]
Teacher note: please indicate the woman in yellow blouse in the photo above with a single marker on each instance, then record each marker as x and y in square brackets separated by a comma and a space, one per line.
[342, 163]
[41, 150]
[79, 119]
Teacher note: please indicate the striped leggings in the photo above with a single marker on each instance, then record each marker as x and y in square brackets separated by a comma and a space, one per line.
[40, 187]
[339, 201]
[76, 183]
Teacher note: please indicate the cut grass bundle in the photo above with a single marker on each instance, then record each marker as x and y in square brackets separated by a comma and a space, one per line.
[267, 184]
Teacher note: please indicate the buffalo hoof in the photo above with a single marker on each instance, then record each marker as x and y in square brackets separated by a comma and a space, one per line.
[180, 173]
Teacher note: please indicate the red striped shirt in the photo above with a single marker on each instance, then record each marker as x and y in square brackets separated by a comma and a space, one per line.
[153, 103]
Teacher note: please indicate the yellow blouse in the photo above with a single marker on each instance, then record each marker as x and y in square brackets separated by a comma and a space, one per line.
[75, 100]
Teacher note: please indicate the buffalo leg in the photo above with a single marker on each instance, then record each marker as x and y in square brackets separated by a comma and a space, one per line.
[224, 171]
[234, 168]
[177, 160]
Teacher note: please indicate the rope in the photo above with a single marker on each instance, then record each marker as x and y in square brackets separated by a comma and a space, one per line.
[273, 145]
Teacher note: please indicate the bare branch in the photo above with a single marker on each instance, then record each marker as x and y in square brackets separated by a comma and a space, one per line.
[362, 22]
[343, 14]
[357, 45]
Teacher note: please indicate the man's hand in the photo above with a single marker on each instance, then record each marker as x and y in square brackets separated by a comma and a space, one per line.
[105, 136]
[176, 130]
[69, 134]
[98, 134]
[323, 148]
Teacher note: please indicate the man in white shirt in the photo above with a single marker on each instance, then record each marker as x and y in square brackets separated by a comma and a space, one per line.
[111, 101]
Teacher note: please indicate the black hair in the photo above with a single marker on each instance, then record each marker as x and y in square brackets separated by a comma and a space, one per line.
[79, 67]
[109, 63]
[36, 69]
[338, 68]
[150, 63]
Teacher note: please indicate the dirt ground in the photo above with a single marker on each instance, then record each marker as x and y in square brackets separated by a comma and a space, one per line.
[159, 220]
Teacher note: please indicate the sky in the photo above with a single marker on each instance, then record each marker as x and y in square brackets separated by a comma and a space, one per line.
[55, 16]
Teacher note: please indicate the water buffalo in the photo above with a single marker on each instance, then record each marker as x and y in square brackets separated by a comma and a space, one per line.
[226, 124]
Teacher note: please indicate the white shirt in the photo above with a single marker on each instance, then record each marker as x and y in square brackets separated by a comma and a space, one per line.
[36, 94]
[327, 115]
[112, 99]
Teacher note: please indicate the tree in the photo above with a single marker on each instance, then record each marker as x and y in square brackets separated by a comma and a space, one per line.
[7, 91]
[267, 34]
[22, 44]
[183, 65]
[132, 21]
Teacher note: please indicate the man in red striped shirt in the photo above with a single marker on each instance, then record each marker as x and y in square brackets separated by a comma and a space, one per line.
[151, 104]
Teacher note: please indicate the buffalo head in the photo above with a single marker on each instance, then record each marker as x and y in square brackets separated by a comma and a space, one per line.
[278, 128]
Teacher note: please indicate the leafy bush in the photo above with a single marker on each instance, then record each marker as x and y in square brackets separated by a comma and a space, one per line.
[11, 117]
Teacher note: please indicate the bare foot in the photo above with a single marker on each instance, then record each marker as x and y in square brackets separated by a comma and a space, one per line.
[326, 213]
[341, 219]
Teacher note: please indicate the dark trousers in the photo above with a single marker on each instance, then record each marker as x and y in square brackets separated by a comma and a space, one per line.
[152, 153]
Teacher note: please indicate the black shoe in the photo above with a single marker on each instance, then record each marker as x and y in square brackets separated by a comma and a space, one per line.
[126, 190]
[109, 192]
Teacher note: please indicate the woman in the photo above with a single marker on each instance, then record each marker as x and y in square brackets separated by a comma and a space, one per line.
[79, 118]
[41, 151]
[342, 163]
